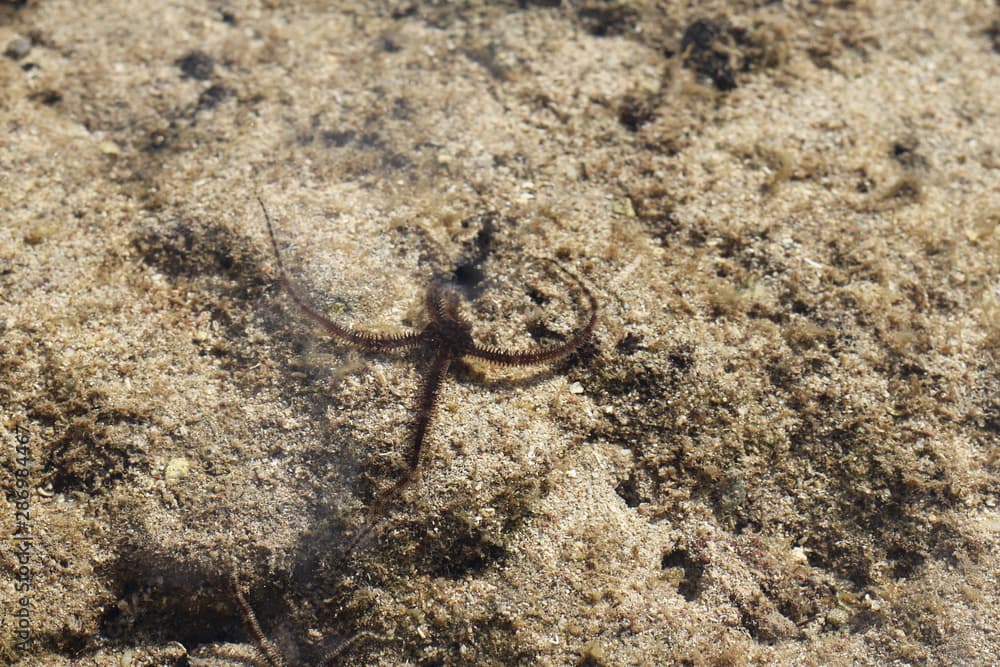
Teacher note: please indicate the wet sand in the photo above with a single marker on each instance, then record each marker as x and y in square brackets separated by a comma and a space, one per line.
[780, 445]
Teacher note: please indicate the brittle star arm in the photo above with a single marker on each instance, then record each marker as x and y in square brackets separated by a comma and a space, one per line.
[440, 302]
[265, 647]
[503, 357]
[425, 412]
[360, 339]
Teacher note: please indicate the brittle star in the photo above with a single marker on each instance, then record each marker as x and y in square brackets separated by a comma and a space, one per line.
[448, 336]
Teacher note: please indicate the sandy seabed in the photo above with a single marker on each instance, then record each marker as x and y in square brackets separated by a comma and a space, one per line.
[779, 447]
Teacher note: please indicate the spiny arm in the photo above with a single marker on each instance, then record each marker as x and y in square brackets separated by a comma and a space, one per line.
[503, 357]
[360, 339]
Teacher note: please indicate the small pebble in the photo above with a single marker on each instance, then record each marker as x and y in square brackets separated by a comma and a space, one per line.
[109, 148]
[177, 468]
[18, 48]
[837, 617]
[196, 65]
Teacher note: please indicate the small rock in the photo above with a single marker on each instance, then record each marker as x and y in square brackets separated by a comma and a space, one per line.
[196, 65]
[837, 617]
[177, 468]
[109, 148]
[18, 48]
